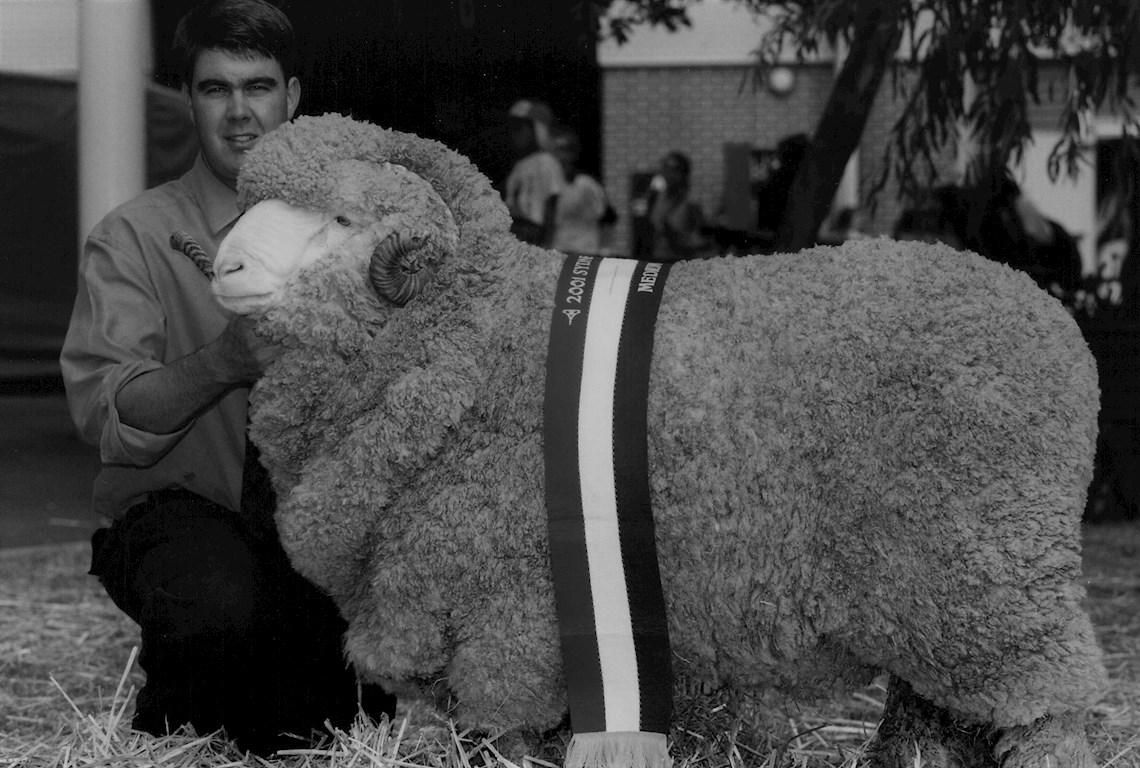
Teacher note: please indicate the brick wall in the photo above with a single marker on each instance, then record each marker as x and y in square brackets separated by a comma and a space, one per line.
[649, 111]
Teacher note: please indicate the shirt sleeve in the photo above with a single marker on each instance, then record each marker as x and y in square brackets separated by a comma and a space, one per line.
[117, 332]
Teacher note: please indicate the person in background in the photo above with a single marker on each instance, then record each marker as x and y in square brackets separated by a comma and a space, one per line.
[772, 188]
[577, 216]
[677, 221]
[157, 376]
[935, 218]
[536, 175]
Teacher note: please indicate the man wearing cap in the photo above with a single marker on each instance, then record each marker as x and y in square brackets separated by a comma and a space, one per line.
[536, 176]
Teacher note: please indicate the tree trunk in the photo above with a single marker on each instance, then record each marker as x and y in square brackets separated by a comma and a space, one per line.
[875, 40]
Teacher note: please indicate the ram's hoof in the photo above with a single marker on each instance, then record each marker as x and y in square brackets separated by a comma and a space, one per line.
[915, 731]
[1050, 742]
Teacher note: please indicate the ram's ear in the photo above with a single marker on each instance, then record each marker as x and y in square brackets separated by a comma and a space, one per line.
[397, 270]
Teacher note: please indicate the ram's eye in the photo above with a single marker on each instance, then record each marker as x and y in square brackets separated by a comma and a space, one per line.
[343, 221]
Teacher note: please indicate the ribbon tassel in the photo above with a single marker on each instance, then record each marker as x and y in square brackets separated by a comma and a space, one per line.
[629, 750]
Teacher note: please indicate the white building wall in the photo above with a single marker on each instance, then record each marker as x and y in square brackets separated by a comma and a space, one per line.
[39, 36]
[1071, 202]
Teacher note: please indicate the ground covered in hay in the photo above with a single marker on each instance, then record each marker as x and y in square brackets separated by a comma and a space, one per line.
[67, 680]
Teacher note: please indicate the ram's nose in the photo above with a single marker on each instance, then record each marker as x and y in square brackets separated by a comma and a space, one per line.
[227, 268]
[232, 257]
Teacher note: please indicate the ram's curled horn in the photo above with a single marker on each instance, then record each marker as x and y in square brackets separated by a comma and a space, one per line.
[396, 271]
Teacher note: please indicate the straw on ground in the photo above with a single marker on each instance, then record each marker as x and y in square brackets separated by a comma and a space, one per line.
[68, 678]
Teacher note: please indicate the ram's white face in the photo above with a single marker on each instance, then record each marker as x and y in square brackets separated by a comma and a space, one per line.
[382, 219]
[271, 243]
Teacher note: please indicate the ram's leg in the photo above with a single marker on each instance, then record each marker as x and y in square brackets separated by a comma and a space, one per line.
[914, 731]
[395, 638]
[1005, 647]
[1048, 742]
[506, 672]
[322, 530]
[1011, 691]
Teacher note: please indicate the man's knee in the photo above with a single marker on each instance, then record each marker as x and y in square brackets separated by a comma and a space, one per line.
[184, 566]
[198, 606]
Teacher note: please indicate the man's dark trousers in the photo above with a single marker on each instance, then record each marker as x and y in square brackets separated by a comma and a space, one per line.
[232, 636]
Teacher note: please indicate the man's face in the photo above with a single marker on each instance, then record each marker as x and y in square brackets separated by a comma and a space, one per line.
[234, 101]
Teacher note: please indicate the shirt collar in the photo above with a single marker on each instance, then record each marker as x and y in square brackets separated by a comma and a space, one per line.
[218, 202]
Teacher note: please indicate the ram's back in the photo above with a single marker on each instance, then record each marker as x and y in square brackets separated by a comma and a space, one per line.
[877, 435]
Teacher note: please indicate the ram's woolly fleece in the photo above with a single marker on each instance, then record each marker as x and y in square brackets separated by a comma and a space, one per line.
[869, 456]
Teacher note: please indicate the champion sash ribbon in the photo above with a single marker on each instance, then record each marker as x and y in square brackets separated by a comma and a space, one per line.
[611, 610]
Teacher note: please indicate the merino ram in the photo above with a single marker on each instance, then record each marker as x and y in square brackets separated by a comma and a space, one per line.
[867, 457]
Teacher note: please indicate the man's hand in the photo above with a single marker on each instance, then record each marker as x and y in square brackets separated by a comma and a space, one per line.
[166, 399]
[239, 354]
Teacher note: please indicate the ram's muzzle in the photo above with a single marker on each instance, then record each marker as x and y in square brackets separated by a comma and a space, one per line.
[270, 243]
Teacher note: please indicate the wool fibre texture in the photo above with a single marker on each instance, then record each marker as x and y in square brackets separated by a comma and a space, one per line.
[861, 457]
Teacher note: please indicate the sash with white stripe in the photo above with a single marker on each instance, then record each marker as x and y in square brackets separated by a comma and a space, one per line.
[611, 611]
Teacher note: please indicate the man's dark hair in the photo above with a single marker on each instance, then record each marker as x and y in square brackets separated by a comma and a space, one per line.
[243, 27]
